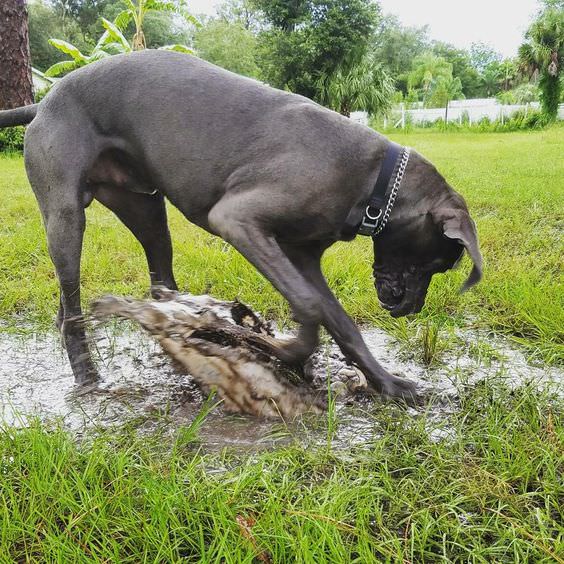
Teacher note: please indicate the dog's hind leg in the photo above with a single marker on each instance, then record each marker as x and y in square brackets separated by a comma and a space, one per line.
[57, 182]
[145, 216]
[64, 224]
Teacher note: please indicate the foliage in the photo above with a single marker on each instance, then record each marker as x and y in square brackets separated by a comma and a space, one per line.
[112, 40]
[242, 12]
[229, 45]
[499, 75]
[44, 23]
[11, 139]
[137, 10]
[308, 40]
[482, 56]
[427, 69]
[522, 94]
[364, 87]
[521, 120]
[395, 46]
[462, 67]
[543, 52]
[79, 23]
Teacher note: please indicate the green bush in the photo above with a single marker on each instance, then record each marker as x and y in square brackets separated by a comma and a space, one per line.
[40, 94]
[11, 139]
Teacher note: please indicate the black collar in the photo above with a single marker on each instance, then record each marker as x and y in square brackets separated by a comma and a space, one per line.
[375, 213]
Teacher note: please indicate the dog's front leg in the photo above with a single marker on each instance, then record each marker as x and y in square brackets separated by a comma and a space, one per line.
[264, 252]
[347, 335]
[342, 328]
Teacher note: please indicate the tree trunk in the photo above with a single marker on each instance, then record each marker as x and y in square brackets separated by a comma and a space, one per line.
[550, 87]
[16, 88]
[446, 112]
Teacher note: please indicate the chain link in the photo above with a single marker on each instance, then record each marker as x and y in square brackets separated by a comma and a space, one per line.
[391, 200]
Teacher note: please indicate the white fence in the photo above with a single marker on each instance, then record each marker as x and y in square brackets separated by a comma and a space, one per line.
[459, 110]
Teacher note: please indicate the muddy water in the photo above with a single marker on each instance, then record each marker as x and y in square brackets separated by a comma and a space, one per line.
[140, 387]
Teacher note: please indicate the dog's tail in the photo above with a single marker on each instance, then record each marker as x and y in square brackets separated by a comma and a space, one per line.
[18, 116]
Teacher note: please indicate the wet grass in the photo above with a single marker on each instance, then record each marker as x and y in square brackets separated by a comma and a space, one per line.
[512, 182]
[482, 484]
[489, 491]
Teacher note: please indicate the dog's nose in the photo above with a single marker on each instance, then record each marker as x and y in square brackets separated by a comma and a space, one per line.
[397, 293]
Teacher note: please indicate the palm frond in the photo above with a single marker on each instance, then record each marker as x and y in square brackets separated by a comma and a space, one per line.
[115, 34]
[122, 19]
[61, 67]
[68, 49]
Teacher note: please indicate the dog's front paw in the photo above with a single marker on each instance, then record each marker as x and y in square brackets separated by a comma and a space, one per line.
[400, 389]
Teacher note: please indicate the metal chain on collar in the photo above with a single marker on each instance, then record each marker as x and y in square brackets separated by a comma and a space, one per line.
[395, 188]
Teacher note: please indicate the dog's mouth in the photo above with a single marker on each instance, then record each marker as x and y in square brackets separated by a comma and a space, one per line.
[407, 306]
[401, 300]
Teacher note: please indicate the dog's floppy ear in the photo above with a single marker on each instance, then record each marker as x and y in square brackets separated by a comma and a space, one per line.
[457, 224]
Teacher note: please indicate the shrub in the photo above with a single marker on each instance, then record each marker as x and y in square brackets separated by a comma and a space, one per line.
[11, 139]
[40, 94]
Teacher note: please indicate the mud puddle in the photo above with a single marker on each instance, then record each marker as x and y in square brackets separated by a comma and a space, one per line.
[141, 387]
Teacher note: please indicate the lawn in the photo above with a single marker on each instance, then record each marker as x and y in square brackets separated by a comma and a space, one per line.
[487, 489]
[513, 183]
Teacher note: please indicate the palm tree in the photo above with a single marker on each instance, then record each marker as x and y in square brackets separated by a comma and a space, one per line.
[543, 52]
[365, 86]
[445, 89]
[426, 69]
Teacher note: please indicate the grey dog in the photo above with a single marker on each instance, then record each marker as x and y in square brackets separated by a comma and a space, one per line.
[274, 174]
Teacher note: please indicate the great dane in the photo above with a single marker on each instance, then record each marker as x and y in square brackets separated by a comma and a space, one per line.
[277, 176]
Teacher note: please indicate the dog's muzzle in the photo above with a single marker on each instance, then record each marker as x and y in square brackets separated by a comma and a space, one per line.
[402, 294]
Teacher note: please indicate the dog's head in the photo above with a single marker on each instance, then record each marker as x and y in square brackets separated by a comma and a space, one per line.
[427, 233]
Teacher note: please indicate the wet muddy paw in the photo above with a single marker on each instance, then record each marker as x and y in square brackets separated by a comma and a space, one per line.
[401, 389]
[86, 376]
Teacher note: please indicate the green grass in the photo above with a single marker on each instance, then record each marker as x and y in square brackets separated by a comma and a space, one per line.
[490, 492]
[512, 182]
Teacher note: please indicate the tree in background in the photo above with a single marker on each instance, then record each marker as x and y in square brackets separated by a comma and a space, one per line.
[462, 67]
[242, 12]
[45, 22]
[482, 55]
[426, 70]
[543, 52]
[445, 89]
[308, 40]
[395, 46]
[229, 45]
[362, 87]
[16, 88]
